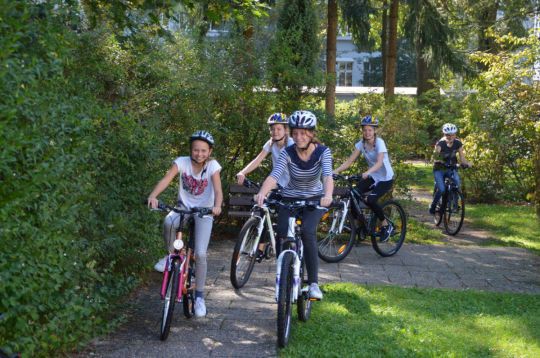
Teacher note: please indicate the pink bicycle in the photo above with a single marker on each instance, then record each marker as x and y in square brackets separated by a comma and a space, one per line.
[178, 283]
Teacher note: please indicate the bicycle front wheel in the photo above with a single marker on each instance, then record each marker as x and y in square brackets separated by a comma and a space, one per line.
[334, 245]
[394, 213]
[437, 217]
[188, 298]
[284, 312]
[170, 299]
[245, 253]
[454, 214]
[303, 303]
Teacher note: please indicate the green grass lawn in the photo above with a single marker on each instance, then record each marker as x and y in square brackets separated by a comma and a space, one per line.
[423, 174]
[512, 225]
[380, 321]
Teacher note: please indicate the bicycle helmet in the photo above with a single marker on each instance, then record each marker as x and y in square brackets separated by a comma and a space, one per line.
[370, 121]
[278, 118]
[303, 120]
[449, 128]
[202, 135]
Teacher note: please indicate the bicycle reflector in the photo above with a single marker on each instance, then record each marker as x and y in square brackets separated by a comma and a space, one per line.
[178, 244]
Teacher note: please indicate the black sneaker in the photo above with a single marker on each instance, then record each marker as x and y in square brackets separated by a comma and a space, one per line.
[386, 231]
[432, 210]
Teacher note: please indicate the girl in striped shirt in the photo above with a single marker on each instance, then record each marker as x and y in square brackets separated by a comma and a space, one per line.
[310, 178]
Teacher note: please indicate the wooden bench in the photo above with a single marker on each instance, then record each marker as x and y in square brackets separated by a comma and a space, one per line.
[241, 199]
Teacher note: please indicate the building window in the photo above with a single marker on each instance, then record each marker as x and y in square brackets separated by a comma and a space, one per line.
[344, 73]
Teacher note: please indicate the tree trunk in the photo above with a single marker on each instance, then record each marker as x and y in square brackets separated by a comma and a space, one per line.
[391, 57]
[384, 37]
[423, 75]
[486, 19]
[331, 38]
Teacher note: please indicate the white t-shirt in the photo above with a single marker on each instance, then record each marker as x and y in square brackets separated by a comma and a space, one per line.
[271, 147]
[196, 190]
[385, 172]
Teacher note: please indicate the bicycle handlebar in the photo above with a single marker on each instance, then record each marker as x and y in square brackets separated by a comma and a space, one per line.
[251, 184]
[349, 178]
[196, 210]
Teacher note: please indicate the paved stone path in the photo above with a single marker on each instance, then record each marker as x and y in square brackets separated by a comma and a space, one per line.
[242, 323]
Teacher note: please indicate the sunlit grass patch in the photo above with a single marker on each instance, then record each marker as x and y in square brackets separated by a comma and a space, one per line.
[366, 321]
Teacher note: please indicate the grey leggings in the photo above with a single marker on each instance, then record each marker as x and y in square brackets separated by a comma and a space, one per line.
[203, 229]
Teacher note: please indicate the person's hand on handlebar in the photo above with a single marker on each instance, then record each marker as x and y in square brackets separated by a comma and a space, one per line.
[326, 201]
[259, 199]
[216, 210]
[152, 202]
[240, 177]
[365, 175]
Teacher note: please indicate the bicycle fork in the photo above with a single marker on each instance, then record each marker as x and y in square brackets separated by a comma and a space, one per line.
[296, 263]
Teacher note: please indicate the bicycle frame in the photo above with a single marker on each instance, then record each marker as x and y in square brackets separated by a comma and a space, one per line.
[265, 219]
[184, 255]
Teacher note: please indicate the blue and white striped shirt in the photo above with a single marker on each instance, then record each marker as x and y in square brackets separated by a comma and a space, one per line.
[305, 176]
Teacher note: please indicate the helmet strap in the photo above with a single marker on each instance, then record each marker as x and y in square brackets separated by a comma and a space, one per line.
[278, 140]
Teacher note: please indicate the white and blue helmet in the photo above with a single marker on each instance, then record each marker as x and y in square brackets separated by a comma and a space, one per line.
[449, 128]
[202, 135]
[302, 120]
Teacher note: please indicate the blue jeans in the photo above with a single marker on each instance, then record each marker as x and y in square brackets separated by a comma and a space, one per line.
[439, 176]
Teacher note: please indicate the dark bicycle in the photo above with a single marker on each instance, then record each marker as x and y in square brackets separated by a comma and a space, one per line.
[350, 216]
[179, 273]
[291, 280]
[451, 206]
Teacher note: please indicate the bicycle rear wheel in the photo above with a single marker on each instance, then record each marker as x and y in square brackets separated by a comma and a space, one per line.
[303, 303]
[454, 213]
[188, 298]
[245, 253]
[395, 214]
[284, 312]
[169, 301]
[334, 246]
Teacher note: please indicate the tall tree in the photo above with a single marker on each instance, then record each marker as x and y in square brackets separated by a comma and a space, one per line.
[428, 29]
[355, 14]
[331, 39]
[294, 56]
[391, 50]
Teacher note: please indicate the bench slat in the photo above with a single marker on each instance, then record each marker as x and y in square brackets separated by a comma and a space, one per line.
[235, 188]
[240, 213]
[241, 200]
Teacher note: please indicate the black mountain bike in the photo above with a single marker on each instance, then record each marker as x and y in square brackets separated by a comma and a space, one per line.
[350, 216]
[451, 207]
[291, 280]
[179, 273]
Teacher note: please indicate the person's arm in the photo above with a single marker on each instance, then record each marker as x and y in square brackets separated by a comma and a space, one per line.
[241, 176]
[328, 187]
[268, 184]
[375, 167]
[218, 193]
[435, 154]
[162, 185]
[462, 159]
[348, 162]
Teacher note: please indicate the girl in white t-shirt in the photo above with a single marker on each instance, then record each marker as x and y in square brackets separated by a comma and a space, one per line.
[279, 139]
[200, 186]
[379, 176]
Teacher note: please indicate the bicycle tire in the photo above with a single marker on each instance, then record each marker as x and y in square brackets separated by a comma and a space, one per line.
[170, 300]
[333, 247]
[242, 262]
[188, 298]
[396, 215]
[284, 312]
[454, 213]
[303, 303]
[437, 217]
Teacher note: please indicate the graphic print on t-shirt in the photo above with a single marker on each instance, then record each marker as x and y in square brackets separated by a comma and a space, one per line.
[192, 185]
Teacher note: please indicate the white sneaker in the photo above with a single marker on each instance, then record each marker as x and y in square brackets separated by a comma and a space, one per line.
[315, 291]
[200, 307]
[160, 265]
